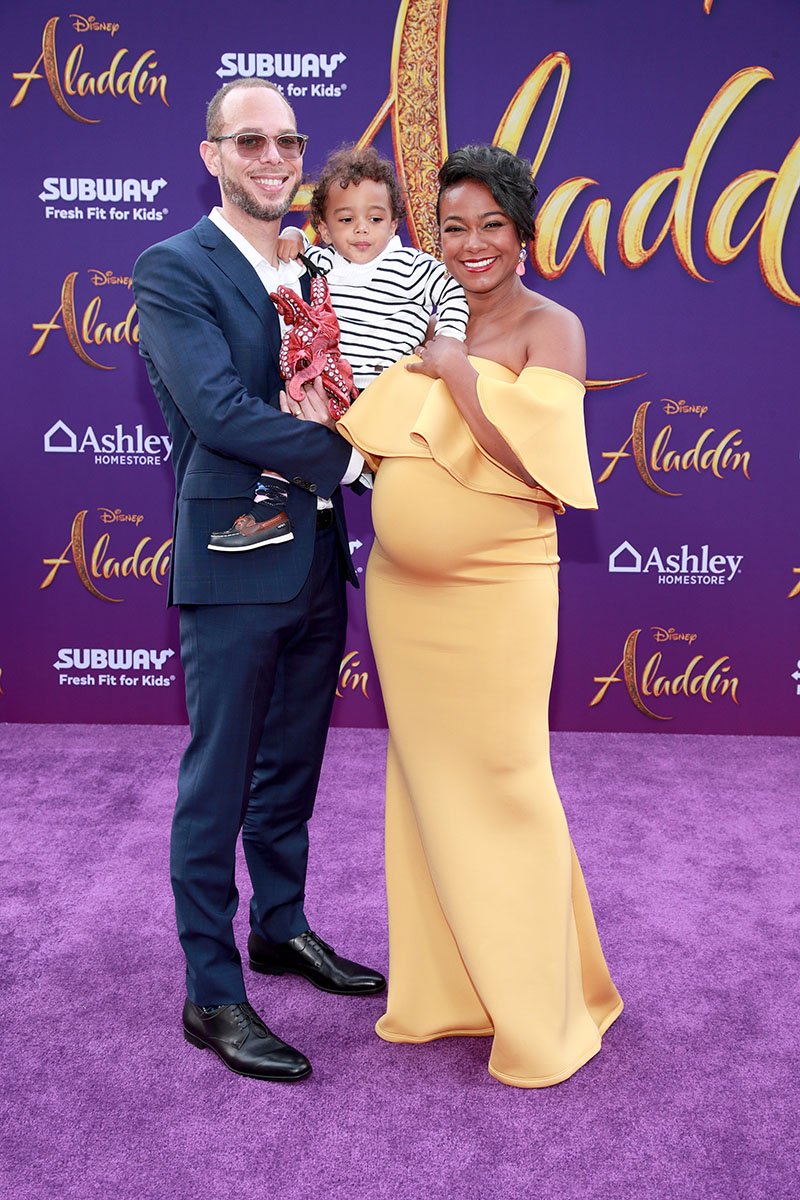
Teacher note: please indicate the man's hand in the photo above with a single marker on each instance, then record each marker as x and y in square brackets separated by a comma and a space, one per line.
[290, 244]
[313, 406]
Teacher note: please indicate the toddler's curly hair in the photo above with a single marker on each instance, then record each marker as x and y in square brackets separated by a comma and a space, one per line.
[350, 165]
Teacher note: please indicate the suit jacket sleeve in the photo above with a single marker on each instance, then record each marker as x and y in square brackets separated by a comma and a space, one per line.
[190, 350]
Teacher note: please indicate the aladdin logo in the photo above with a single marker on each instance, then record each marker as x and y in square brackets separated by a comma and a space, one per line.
[84, 328]
[124, 77]
[350, 677]
[717, 455]
[637, 241]
[761, 197]
[795, 591]
[146, 563]
[95, 192]
[710, 681]
[683, 567]
[118, 449]
[118, 661]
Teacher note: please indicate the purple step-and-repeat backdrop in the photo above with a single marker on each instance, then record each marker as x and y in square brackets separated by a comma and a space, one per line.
[666, 142]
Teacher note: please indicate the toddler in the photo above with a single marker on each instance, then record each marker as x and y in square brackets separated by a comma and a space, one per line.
[384, 295]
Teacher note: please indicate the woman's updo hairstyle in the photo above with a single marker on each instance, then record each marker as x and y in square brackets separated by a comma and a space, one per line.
[506, 175]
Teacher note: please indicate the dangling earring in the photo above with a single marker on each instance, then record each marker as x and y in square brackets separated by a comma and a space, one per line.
[520, 268]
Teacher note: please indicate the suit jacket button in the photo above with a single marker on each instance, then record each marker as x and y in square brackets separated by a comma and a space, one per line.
[312, 487]
[298, 481]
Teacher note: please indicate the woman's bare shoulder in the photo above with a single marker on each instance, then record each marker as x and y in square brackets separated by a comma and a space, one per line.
[554, 337]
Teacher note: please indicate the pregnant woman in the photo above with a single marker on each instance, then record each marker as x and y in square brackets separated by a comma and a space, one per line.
[475, 449]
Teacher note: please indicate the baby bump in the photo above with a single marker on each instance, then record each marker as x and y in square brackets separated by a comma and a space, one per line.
[430, 525]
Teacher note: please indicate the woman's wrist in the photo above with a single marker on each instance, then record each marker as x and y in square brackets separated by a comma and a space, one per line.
[459, 372]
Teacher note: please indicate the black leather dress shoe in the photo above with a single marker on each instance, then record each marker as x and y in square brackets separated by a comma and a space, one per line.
[240, 1038]
[316, 961]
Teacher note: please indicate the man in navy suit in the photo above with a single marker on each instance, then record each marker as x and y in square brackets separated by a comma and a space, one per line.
[262, 633]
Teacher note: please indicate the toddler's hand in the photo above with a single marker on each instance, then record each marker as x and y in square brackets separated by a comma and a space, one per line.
[290, 244]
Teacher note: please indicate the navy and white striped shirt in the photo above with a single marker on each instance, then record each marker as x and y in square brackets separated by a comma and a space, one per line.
[384, 306]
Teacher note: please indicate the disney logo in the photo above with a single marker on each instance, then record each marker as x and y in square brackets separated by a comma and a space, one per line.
[110, 516]
[680, 406]
[92, 25]
[672, 635]
[101, 278]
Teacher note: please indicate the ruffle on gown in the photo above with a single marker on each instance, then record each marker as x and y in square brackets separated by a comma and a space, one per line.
[539, 414]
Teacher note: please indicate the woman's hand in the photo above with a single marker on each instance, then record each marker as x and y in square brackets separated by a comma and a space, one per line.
[440, 358]
[313, 406]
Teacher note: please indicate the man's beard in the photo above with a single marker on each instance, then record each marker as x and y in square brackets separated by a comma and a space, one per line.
[262, 211]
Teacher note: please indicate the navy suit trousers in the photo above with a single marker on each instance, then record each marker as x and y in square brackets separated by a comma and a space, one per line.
[260, 686]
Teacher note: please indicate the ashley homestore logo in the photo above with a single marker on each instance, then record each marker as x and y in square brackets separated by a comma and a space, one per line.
[681, 566]
[117, 447]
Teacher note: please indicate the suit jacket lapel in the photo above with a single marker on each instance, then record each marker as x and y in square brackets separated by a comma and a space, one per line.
[236, 267]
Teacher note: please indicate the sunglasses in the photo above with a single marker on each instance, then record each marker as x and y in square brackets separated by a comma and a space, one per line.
[253, 145]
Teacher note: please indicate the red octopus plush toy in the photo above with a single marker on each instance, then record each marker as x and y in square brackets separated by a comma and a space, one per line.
[310, 346]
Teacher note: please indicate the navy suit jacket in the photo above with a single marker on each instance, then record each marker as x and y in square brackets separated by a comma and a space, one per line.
[210, 337]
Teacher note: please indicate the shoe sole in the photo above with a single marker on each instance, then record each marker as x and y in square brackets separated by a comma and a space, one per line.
[268, 969]
[194, 1040]
[286, 537]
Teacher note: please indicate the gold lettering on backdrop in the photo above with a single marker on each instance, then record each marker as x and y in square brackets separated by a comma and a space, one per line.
[99, 564]
[796, 589]
[87, 329]
[135, 81]
[630, 239]
[416, 105]
[350, 677]
[708, 682]
[419, 123]
[718, 456]
[593, 229]
[773, 219]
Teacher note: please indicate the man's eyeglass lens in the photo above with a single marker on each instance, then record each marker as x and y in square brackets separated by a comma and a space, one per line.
[253, 145]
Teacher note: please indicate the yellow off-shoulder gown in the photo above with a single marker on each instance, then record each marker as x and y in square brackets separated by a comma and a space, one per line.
[491, 930]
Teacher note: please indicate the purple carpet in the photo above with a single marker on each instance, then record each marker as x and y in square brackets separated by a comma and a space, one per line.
[689, 845]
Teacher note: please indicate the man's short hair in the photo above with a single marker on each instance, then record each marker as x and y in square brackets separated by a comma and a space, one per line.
[214, 110]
